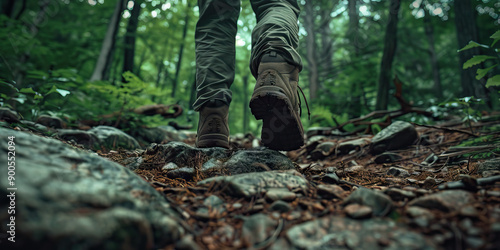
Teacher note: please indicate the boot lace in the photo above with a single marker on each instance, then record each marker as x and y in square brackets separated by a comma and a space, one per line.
[305, 99]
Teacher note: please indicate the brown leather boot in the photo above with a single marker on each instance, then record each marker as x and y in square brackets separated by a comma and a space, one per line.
[276, 102]
[213, 129]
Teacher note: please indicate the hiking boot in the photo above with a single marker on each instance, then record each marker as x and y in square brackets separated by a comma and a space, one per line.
[213, 129]
[275, 100]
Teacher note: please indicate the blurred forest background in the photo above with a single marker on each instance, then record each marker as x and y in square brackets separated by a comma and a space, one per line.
[78, 59]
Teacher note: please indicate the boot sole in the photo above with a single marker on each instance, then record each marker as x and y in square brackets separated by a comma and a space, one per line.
[212, 140]
[281, 129]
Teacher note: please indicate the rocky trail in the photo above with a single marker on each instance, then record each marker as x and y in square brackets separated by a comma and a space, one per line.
[409, 187]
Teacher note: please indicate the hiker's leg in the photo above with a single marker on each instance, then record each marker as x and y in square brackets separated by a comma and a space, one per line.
[276, 30]
[215, 50]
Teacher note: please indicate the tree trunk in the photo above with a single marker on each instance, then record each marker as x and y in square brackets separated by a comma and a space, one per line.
[103, 65]
[390, 43]
[353, 31]
[8, 7]
[465, 21]
[311, 49]
[429, 32]
[40, 17]
[181, 50]
[130, 37]
[353, 35]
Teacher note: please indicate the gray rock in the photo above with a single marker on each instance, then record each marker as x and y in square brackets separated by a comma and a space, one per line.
[51, 122]
[378, 201]
[113, 138]
[250, 184]
[357, 211]
[34, 126]
[387, 157]
[184, 155]
[489, 165]
[348, 146]
[9, 115]
[331, 178]
[331, 191]
[396, 136]
[398, 172]
[275, 194]
[147, 136]
[323, 150]
[133, 163]
[257, 229]
[82, 137]
[218, 161]
[68, 199]
[257, 160]
[447, 201]
[399, 195]
[280, 206]
[338, 232]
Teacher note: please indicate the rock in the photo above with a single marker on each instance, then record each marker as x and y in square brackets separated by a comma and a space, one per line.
[446, 201]
[357, 211]
[64, 193]
[396, 136]
[418, 212]
[331, 178]
[170, 166]
[489, 173]
[323, 150]
[387, 157]
[257, 160]
[489, 165]
[51, 122]
[398, 172]
[348, 146]
[133, 163]
[331, 191]
[34, 126]
[378, 201]
[280, 206]
[113, 138]
[9, 115]
[184, 155]
[85, 138]
[338, 232]
[275, 194]
[429, 183]
[257, 229]
[399, 195]
[250, 184]
[218, 161]
[146, 136]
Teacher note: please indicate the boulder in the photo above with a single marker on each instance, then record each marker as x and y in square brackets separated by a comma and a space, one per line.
[71, 199]
[396, 136]
[113, 138]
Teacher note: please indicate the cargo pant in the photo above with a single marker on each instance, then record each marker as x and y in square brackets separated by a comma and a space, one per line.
[276, 30]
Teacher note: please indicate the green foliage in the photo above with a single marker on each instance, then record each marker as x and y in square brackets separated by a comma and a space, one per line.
[477, 59]
[465, 107]
[480, 141]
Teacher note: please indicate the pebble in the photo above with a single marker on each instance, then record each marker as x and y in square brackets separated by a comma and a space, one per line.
[280, 206]
[399, 195]
[275, 194]
[398, 172]
[380, 203]
[446, 201]
[170, 166]
[357, 211]
[331, 191]
[331, 178]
